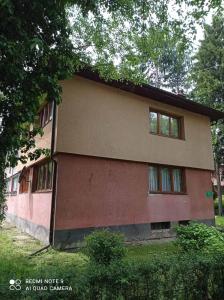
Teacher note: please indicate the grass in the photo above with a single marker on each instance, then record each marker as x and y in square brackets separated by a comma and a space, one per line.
[145, 252]
[219, 221]
[16, 248]
[16, 263]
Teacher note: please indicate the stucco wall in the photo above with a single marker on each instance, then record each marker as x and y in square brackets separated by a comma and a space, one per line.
[95, 119]
[94, 192]
[31, 212]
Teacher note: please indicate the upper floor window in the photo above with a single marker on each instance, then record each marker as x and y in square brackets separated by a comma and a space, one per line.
[165, 124]
[43, 174]
[45, 115]
[166, 179]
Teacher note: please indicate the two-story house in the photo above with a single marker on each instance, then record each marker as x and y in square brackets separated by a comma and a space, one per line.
[135, 159]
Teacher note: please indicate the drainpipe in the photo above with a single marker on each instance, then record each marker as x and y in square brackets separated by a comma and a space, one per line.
[53, 198]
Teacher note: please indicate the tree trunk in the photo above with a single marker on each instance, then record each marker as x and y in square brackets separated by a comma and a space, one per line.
[219, 189]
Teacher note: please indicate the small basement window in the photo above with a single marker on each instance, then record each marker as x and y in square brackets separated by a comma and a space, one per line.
[160, 225]
[184, 222]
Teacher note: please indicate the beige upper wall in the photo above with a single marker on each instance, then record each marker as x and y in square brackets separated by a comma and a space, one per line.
[95, 119]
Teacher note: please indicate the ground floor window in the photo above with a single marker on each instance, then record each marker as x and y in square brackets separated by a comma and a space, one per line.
[43, 174]
[166, 179]
[8, 186]
[24, 180]
[14, 186]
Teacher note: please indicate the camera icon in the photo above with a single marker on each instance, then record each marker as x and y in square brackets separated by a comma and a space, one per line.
[15, 284]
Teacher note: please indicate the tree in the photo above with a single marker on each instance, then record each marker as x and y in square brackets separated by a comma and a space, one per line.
[208, 80]
[36, 51]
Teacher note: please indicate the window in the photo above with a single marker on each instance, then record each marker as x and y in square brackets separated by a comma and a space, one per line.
[184, 222]
[165, 125]
[24, 181]
[43, 174]
[15, 180]
[160, 225]
[45, 115]
[166, 179]
[8, 186]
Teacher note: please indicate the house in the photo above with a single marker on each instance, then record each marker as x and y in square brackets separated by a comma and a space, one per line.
[135, 159]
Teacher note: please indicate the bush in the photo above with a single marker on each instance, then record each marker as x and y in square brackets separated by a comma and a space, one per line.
[197, 236]
[104, 247]
[187, 276]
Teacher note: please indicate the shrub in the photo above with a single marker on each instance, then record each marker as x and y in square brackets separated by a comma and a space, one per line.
[187, 276]
[104, 247]
[197, 236]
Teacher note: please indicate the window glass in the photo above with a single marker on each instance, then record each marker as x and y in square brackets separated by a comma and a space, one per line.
[15, 183]
[153, 179]
[166, 182]
[164, 125]
[45, 115]
[44, 175]
[44, 167]
[50, 110]
[24, 181]
[8, 186]
[177, 180]
[40, 178]
[174, 127]
[153, 122]
[166, 179]
[49, 177]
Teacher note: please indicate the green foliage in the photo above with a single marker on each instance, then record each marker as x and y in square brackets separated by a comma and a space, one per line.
[105, 247]
[216, 205]
[219, 221]
[189, 276]
[199, 237]
[36, 53]
[208, 70]
[165, 276]
[208, 76]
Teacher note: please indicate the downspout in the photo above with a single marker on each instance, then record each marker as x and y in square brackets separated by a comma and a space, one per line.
[54, 184]
[53, 197]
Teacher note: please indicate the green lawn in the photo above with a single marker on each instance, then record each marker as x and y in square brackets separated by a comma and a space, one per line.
[16, 248]
[16, 263]
[219, 221]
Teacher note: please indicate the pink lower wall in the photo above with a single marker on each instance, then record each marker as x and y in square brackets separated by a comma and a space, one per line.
[33, 207]
[94, 192]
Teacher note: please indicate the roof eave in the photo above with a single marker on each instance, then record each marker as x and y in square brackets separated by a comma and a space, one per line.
[156, 94]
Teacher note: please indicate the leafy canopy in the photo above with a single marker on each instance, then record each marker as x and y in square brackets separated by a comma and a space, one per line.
[208, 77]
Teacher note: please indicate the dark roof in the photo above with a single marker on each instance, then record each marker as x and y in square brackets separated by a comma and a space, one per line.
[156, 94]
